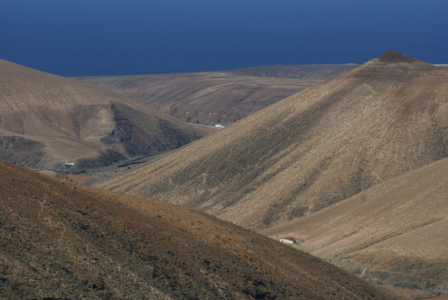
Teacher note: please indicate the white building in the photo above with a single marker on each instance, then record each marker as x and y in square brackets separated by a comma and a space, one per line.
[287, 240]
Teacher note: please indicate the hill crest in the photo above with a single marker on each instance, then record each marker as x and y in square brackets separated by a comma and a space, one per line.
[395, 56]
[308, 151]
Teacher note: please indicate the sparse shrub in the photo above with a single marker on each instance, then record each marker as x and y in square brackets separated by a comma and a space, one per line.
[430, 285]
[407, 285]
[378, 281]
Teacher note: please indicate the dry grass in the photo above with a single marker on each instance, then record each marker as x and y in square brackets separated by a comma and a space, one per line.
[63, 241]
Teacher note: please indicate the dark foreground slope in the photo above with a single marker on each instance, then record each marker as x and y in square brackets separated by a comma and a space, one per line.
[62, 241]
[46, 120]
[313, 149]
[218, 97]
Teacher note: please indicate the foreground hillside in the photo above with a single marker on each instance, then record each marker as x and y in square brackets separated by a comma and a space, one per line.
[396, 231]
[218, 97]
[313, 149]
[62, 241]
[46, 120]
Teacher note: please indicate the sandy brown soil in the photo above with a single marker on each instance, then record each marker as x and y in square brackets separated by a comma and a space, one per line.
[414, 294]
[80, 179]
[46, 120]
[218, 97]
[48, 173]
[63, 241]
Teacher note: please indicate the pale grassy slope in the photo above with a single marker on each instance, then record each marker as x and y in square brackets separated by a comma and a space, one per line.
[397, 230]
[72, 117]
[313, 149]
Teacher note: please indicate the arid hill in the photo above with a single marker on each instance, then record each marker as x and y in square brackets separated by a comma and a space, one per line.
[62, 241]
[313, 149]
[394, 232]
[218, 97]
[305, 72]
[47, 120]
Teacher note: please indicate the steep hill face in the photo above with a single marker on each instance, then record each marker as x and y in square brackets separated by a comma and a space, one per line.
[62, 241]
[313, 149]
[218, 97]
[394, 232]
[56, 119]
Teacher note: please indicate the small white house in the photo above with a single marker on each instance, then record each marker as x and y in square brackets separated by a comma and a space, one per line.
[219, 126]
[287, 240]
[69, 164]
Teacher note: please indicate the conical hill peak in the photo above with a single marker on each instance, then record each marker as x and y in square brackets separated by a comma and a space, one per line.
[394, 56]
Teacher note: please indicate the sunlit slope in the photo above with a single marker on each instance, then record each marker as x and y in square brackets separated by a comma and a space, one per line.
[395, 231]
[86, 119]
[313, 149]
[62, 241]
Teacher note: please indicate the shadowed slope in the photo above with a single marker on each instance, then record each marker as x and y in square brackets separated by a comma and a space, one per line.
[218, 97]
[75, 120]
[313, 149]
[395, 231]
[62, 241]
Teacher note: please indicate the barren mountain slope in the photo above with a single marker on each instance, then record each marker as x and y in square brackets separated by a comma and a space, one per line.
[306, 72]
[443, 66]
[218, 97]
[62, 119]
[62, 241]
[395, 231]
[315, 148]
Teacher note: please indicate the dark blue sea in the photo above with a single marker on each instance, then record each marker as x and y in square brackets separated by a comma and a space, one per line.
[117, 37]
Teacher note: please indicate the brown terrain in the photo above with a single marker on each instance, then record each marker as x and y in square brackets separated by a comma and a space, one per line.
[218, 97]
[309, 151]
[416, 294]
[391, 233]
[443, 66]
[63, 241]
[46, 120]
